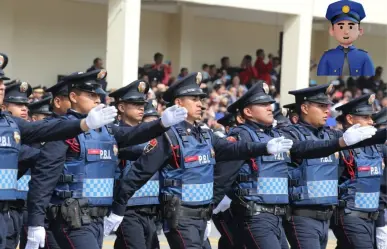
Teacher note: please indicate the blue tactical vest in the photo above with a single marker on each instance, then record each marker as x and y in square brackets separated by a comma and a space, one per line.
[147, 194]
[9, 156]
[264, 179]
[91, 175]
[362, 192]
[22, 185]
[314, 181]
[193, 180]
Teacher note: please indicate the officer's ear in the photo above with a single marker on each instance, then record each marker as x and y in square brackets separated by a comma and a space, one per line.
[331, 30]
[361, 30]
[305, 108]
[121, 107]
[349, 119]
[247, 113]
[73, 96]
[178, 101]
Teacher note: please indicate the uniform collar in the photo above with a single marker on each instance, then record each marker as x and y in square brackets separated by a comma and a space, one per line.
[76, 114]
[259, 127]
[122, 123]
[342, 48]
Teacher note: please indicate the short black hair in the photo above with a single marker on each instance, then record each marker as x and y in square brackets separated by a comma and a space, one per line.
[96, 60]
[204, 66]
[157, 55]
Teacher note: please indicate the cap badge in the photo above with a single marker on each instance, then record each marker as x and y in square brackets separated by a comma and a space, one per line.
[284, 112]
[371, 99]
[141, 87]
[23, 87]
[101, 75]
[265, 88]
[345, 9]
[329, 89]
[1, 60]
[154, 103]
[199, 78]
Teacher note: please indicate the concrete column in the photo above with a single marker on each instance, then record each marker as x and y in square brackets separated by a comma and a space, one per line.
[181, 33]
[123, 37]
[7, 33]
[296, 55]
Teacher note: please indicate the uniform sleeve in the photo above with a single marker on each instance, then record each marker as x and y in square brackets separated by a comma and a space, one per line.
[130, 153]
[368, 66]
[154, 157]
[322, 68]
[44, 177]
[48, 130]
[126, 136]
[239, 150]
[28, 153]
[311, 148]
[226, 172]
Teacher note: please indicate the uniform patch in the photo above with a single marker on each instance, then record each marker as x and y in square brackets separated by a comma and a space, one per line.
[337, 155]
[231, 139]
[16, 136]
[150, 146]
[115, 150]
[212, 153]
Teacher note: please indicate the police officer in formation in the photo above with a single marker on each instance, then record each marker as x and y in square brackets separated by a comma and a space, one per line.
[15, 103]
[292, 113]
[313, 179]
[280, 118]
[138, 229]
[185, 157]
[14, 131]
[380, 121]
[359, 182]
[84, 190]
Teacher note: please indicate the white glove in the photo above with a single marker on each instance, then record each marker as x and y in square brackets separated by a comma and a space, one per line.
[100, 116]
[223, 205]
[279, 145]
[381, 237]
[356, 134]
[36, 237]
[207, 232]
[173, 115]
[111, 223]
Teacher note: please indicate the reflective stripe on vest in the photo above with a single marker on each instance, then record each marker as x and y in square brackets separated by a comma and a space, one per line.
[196, 173]
[362, 192]
[314, 181]
[267, 176]
[9, 153]
[22, 185]
[93, 171]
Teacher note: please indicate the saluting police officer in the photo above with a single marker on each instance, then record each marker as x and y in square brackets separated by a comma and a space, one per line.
[14, 130]
[359, 183]
[380, 121]
[313, 174]
[85, 187]
[185, 156]
[138, 229]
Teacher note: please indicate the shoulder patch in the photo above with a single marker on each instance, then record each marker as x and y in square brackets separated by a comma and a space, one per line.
[150, 146]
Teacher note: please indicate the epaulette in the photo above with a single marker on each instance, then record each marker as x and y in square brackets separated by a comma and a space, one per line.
[362, 50]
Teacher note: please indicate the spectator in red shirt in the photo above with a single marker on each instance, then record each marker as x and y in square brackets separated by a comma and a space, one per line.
[264, 68]
[248, 72]
[164, 70]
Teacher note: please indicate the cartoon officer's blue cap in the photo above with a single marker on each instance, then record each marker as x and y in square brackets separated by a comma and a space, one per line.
[345, 10]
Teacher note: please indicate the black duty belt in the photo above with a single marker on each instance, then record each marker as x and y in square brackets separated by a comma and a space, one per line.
[200, 213]
[94, 212]
[146, 209]
[363, 215]
[323, 215]
[272, 209]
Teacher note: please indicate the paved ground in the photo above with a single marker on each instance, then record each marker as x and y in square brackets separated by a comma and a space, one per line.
[109, 241]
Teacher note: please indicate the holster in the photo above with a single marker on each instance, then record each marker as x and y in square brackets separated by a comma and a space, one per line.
[75, 212]
[171, 211]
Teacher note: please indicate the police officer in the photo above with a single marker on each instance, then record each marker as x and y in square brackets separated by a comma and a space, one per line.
[292, 113]
[84, 190]
[359, 182]
[345, 59]
[222, 216]
[185, 157]
[280, 118]
[138, 229]
[15, 102]
[150, 112]
[40, 110]
[380, 120]
[313, 177]
[46, 172]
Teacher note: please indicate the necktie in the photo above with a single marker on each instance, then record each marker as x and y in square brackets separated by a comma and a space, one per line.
[346, 71]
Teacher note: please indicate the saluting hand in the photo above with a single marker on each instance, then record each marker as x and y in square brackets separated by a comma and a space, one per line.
[99, 116]
[357, 133]
[279, 145]
[173, 115]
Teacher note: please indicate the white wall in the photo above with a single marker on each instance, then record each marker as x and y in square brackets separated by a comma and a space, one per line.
[52, 37]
